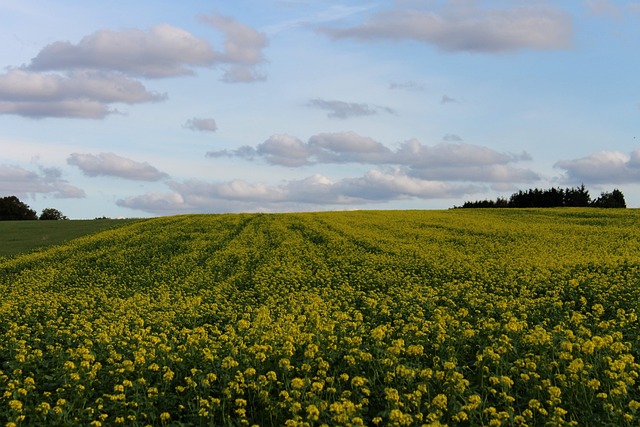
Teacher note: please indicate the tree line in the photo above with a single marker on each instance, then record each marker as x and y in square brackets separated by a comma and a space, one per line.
[551, 198]
[12, 208]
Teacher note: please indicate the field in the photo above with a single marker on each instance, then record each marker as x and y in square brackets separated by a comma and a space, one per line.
[22, 236]
[501, 317]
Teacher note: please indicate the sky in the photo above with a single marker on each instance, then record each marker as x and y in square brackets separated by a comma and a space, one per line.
[145, 108]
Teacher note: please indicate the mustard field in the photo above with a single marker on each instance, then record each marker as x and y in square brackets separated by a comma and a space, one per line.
[500, 317]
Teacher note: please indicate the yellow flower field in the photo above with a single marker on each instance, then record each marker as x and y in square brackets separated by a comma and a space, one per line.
[500, 317]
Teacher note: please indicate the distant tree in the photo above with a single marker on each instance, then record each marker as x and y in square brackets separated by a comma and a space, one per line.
[554, 197]
[11, 208]
[52, 214]
[577, 197]
[501, 202]
[615, 199]
[480, 204]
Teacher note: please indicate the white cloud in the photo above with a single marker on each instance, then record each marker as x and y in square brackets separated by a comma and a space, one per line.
[417, 155]
[494, 173]
[465, 26]
[604, 167]
[204, 125]
[377, 185]
[109, 164]
[157, 203]
[83, 80]
[15, 180]
[313, 192]
[242, 45]
[284, 150]
[161, 51]
[451, 160]
[348, 147]
[80, 94]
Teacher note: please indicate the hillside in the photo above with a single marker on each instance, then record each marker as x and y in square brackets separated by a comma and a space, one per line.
[461, 317]
[23, 236]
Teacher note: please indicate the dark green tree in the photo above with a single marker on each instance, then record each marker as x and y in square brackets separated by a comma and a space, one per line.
[554, 197]
[11, 208]
[52, 214]
[614, 199]
[577, 197]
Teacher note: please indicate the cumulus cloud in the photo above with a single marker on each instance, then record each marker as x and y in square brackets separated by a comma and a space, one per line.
[348, 147]
[465, 26]
[604, 167]
[242, 44]
[204, 125]
[109, 164]
[84, 79]
[316, 190]
[344, 110]
[283, 150]
[15, 180]
[81, 94]
[452, 160]
[414, 153]
[287, 150]
[162, 51]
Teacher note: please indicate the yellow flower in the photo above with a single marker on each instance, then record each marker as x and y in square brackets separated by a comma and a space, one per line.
[358, 381]
[165, 416]
[297, 383]
[392, 394]
[168, 374]
[440, 400]
[44, 407]
[378, 332]
[15, 405]
[313, 413]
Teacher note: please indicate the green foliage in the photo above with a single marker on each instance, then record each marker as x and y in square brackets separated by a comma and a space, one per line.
[462, 317]
[553, 197]
[615, 199]
[52, 214]
[11, 208]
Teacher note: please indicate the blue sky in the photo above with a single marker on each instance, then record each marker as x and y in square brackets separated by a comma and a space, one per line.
[137, 109]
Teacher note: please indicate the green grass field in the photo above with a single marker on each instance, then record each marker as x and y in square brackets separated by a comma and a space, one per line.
[22, 236]
[501, 317]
